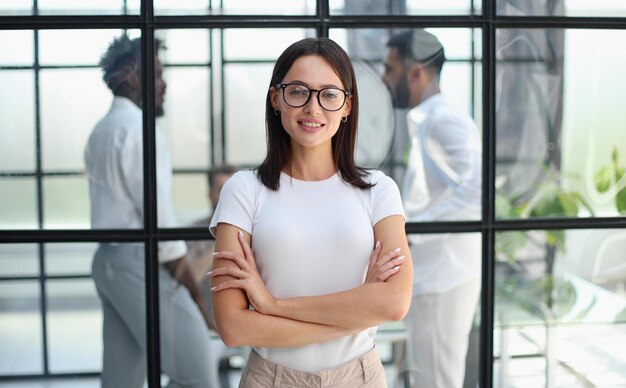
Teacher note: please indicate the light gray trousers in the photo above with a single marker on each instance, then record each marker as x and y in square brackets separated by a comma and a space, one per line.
[118, 272]
[438, 328]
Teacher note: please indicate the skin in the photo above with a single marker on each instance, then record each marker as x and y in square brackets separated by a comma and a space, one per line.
[384, 296]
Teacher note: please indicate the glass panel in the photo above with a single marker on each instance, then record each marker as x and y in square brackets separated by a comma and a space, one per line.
[235, 7]
[74, 47]
[69, 259]
[66, 202]
[585, 8]
[560, 308]
[187, 109]
[260, 44]
[18, 203]
[17, 109]
[269, 7]
[185, 46]
[20, 328]
[16, 48]
[558, 130]
[19, 260]
[443, 151]
[191, 200]
[65, 128]
[245, 89]
[92, 7]
[75, 324]
[16, 7]
[405, 7]
[446, 283]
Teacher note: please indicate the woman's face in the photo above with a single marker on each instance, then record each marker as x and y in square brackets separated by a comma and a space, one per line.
[310, 126]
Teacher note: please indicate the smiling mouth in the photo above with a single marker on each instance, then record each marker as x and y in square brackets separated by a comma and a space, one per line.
[310, 124]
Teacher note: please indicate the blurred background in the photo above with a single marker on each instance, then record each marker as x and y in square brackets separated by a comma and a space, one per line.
[543, 80]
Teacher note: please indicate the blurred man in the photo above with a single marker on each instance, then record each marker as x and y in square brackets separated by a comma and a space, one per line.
[442, 182]
[114, 161]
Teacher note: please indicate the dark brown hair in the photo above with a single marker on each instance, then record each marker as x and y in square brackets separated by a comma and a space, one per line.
[344, 141]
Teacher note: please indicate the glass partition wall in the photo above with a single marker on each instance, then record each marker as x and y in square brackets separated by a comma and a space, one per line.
[541, 82]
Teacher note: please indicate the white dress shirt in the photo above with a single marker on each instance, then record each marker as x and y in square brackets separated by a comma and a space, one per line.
[114, 162]
[443, 183]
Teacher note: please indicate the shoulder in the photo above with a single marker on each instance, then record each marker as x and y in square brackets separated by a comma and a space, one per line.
[243, 181]
[444, 111]
[378, 178]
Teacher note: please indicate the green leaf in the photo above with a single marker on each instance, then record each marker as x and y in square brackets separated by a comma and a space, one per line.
[603, 178]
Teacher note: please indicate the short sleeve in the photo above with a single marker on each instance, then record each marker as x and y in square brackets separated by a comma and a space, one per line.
[386, 199]
[237, 202]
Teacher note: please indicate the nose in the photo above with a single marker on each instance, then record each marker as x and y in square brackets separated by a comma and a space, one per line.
[313, 105]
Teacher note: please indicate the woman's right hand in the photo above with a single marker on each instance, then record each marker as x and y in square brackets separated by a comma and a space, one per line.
[383, 267]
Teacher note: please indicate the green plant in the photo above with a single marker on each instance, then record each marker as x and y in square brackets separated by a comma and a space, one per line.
[611, 176]
[550, 199]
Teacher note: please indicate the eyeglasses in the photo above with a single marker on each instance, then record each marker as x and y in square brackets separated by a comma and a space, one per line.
[330, 99]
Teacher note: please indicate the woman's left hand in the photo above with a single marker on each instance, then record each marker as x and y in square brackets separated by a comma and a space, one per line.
[246, 277]
[382, 267]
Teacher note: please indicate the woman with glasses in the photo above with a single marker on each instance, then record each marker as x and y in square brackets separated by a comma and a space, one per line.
[311, 253]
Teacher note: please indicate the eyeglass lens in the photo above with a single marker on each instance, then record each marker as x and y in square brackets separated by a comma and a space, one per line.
[329, 98]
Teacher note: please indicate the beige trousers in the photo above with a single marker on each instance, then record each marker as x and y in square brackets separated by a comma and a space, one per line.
[364, 372]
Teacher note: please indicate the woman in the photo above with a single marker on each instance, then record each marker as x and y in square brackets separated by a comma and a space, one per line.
[295, 237]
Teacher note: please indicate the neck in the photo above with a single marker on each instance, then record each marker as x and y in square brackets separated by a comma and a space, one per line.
[431, 89]
[135, 98]
[311, 164]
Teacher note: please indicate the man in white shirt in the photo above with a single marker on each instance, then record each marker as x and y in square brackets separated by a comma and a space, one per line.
[114, 162]
[442, 182]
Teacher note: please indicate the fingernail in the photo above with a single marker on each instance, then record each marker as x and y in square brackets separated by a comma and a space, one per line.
[377, 244]
[396, 268]
[215, 253]
[397, 249]
[401, 258]
[213, 288]
[240, 234]
[210, 272]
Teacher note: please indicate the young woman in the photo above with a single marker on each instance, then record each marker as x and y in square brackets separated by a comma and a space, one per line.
[299, 273]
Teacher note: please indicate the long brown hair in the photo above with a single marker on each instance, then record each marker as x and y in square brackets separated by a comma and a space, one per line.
[344, 141]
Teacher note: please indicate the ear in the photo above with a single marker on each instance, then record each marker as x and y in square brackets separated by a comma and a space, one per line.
[415, 72]
[347, 108]
[134, 80]
[274, 97]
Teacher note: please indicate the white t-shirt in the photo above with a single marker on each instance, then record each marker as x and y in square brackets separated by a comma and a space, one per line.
[114, 162]
[310, 238]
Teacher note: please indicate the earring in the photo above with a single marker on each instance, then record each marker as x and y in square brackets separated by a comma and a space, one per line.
[344, 119]
[276, 112]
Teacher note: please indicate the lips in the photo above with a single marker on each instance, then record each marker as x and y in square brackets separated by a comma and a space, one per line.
[310, 126]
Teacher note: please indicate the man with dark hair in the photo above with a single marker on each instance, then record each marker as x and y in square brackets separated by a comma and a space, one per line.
[442, 182]
[114, 161]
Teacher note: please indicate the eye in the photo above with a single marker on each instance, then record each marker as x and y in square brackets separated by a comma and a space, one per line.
[330, 94]
[298, 91]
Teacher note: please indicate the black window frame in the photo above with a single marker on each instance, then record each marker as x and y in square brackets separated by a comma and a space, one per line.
[147, 22]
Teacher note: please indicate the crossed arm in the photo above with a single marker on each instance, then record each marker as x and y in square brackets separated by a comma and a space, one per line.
[300, 321]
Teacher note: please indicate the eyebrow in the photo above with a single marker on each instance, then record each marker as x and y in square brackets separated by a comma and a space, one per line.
[308, 86]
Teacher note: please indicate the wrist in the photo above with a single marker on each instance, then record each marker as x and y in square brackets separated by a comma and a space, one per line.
[277, 307]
